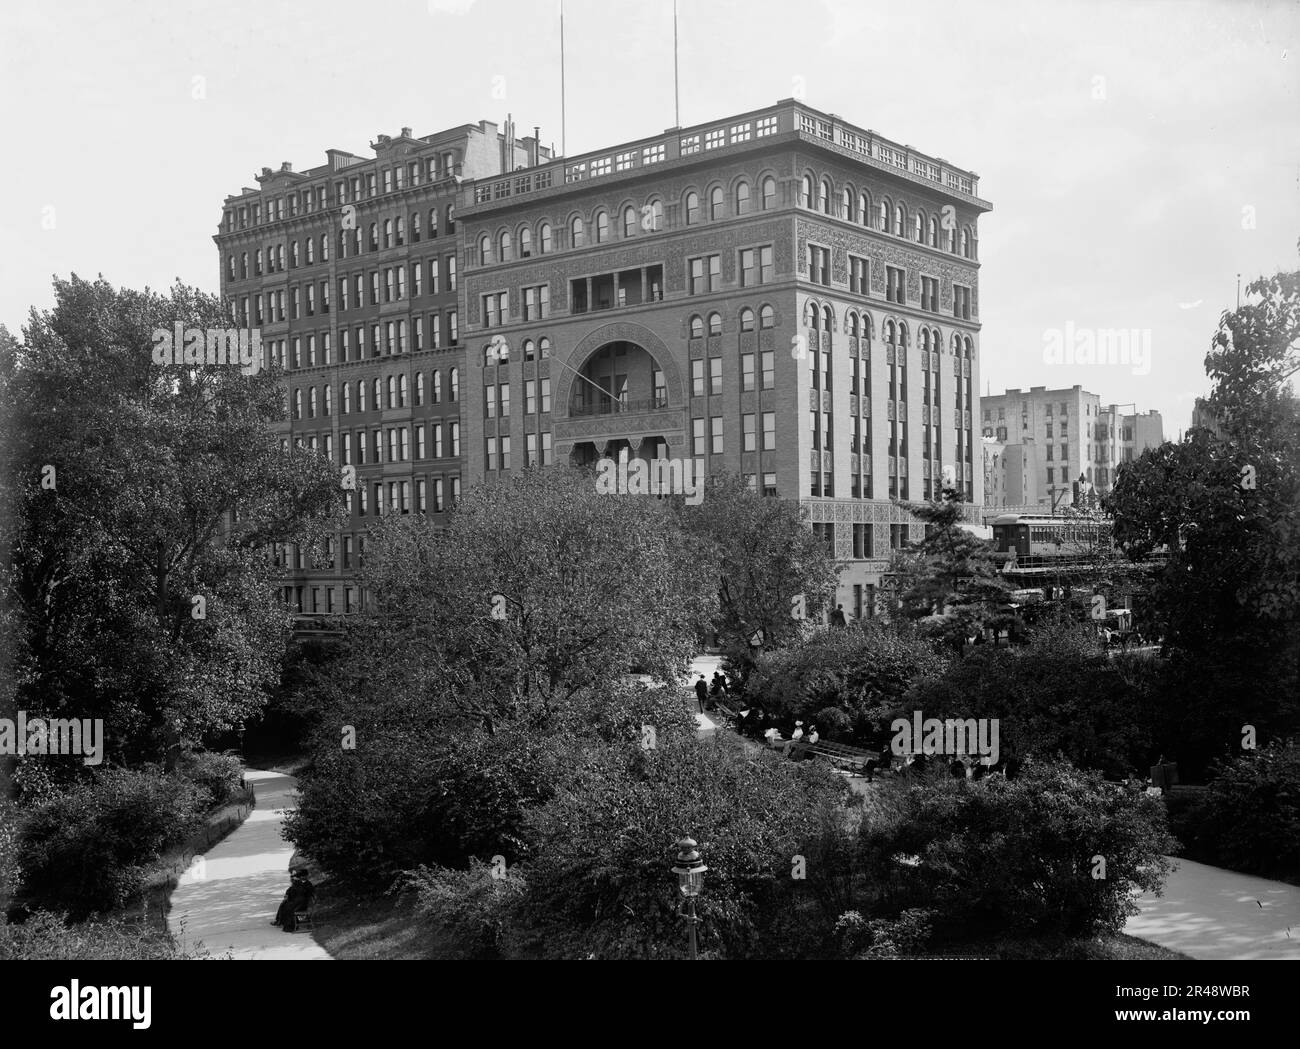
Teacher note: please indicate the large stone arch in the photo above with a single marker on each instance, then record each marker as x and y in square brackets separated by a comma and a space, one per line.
[620, 331]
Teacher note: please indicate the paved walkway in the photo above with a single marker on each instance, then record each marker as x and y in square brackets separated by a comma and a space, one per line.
[1208, 912]
[227, 904]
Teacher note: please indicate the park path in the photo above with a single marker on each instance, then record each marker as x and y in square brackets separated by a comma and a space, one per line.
[227, 903]
[1208, 912]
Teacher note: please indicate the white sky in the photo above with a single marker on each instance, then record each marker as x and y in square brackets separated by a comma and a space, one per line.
[1125, 211]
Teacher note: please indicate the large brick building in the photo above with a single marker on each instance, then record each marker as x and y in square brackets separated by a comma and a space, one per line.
[779, 294]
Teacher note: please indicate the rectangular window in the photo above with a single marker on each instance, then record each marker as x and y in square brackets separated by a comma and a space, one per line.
[769, 369]
[769, 431]
[715, 376]
[715, 427]
[530, 396]
[546, 395]
[697, 438]
[819, 264]
[697, 378]
[750, 436]
[857, 275]
[746, 372]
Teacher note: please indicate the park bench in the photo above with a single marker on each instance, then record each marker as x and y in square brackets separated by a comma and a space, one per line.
[841, 754]
[301, 918]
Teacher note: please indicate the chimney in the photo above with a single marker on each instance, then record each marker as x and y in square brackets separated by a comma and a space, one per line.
[537, 145]
[406, 132]
[286, 166]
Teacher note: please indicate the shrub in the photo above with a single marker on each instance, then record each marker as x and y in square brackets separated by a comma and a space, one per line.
[1059, 694]
[45, 936]
[219, 775]
[861, 938]
[598, 874]
[1020, 852]
[88, 849]
[469, 908]
[863, 672]
[406, 798]
[1248, 819]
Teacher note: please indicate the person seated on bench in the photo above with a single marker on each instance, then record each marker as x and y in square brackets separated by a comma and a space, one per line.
[813, 737]
[297, 898]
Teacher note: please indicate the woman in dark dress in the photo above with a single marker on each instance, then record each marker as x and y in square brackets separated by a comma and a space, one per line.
[296, 898]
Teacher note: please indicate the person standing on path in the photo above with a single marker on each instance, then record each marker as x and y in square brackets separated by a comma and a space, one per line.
[702, 692]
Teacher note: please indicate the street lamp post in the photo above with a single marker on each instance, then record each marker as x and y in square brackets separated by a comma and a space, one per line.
[690, 880]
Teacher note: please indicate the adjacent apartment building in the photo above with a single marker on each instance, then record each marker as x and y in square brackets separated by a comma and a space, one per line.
[1039, 443]
[780, 295]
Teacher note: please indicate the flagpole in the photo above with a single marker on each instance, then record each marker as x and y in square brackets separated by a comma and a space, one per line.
[677, 100]
[564, 149]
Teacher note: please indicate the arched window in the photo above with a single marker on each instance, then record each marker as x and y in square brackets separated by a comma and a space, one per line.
[828, 319]
[692, 208]
[655, 217]
[715, 324]
[401, 391]
[902, 334]
[433, 223]
[415, 226]
[864, 209]
[966, 243]
[392, 392]
[361, 395]
[824, 197]
[811, 316]
[297, 404]
[918, 228]
[453, 382]
[934, 232]
[602, 227]
[401, 230]
[715, 203]
[898, 220]
[805, 192]
[766, 317]
[577, 232]
[697, 327]
[746, 319]
[851, 325]
[846, 203]
[525, 243]
[769, 193]
[484, 250]
[435, 387]
[347, 398]
[324, 248]
[868, 329]
[629, 221]
[419, 388]
[293, 256]
[742, 198]
[503, 247]
[530, 351]
[544, 347]
[388, 233]
[544, 236]
[884, 216]
[375, 401]
[311, 250]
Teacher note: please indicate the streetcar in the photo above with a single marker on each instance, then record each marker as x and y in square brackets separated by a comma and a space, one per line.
[1024, 535]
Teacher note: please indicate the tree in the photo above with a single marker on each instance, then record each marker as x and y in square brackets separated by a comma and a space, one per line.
[147, 500]
[768, 559]
[537, 589]
[949, 582]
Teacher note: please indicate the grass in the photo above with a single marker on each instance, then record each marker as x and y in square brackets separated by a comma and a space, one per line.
[1111, 947]
[355, 928]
